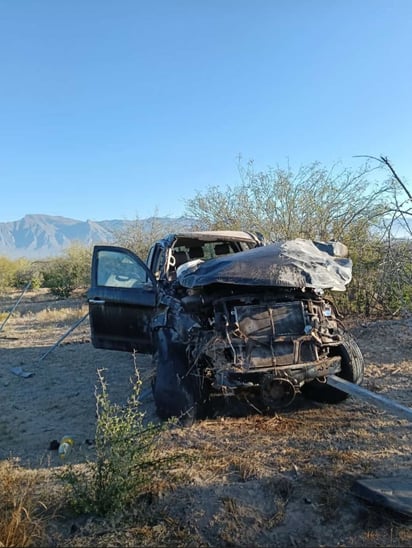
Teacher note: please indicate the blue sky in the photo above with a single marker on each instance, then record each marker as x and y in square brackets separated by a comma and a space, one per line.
[121, 109]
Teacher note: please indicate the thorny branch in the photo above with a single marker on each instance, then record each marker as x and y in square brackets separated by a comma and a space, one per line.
[395, 272]
[384, 160]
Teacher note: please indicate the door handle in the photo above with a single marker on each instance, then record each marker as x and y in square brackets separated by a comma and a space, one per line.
[96, 301]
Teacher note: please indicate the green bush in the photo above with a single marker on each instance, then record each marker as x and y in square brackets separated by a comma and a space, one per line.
[27, 272]
[63, 275]
[7, 273]
[126, 456]
[382, 279]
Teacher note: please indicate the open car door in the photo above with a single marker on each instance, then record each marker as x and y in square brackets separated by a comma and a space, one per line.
[122, 299]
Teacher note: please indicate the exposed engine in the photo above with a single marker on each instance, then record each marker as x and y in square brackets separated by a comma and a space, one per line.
[270, 346]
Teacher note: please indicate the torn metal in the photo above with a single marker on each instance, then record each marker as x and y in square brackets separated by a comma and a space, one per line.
[295, 263]
[227, 315]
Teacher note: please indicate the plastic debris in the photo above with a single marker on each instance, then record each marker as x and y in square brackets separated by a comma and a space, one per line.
[19, 371]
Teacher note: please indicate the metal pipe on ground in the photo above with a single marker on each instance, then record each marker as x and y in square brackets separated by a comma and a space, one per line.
[375, 399]
[73, 327]
[15, 306]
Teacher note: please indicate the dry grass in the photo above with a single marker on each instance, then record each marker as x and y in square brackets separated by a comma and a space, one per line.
[62, 316]
[50, 317]
[42, 322]
[23, 515]
[253, 480]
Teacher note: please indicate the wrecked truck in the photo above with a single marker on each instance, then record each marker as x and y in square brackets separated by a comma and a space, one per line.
[227, 316]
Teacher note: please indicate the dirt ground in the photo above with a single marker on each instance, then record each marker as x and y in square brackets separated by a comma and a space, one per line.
[283, 480]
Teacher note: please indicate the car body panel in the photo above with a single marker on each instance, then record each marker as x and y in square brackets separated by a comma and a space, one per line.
[295, 263]
[122, 300]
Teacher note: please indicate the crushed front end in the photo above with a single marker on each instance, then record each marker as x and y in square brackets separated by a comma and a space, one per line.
[264, 330]
[265, 347]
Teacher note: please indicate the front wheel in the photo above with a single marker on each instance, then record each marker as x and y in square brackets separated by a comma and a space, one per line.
[175, 390]
[352, 370]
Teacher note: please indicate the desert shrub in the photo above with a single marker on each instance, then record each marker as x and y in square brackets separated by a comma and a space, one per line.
[125, 459]
[7, 273]
[59, 278]
[27, 272]
[382, 279]
[393, 291]
[22, 514]
[17, 274]
[71, 271]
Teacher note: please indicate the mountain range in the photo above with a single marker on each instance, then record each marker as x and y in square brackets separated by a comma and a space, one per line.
[44, 236]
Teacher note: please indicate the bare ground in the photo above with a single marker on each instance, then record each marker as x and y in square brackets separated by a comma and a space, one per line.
[252, 480]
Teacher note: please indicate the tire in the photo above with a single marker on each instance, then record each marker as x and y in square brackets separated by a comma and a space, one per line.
[352, 370]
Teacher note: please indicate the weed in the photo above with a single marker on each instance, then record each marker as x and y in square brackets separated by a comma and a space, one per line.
[126, 456]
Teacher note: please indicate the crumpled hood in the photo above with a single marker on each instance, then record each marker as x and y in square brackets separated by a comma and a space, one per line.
[294, 263]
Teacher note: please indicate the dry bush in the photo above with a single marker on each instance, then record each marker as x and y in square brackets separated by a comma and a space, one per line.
[22, 514]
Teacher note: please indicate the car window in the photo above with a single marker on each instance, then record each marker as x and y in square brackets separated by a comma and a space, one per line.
[155, 260]
[193, 251]
[205, 250]
[217, 249]
[117, 269]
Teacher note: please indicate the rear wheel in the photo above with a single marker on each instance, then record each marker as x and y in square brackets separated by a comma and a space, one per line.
[352, 370]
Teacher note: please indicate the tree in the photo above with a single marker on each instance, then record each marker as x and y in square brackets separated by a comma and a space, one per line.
[399, 211]
[325, 204]
[314, 203]
[140, 235]
[391, 284]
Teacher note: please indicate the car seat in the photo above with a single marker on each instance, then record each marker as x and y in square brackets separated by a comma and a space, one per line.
[222, 249]
[196, 252]
[181, 257]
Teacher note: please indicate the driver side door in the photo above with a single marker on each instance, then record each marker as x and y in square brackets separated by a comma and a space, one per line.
[122, 299]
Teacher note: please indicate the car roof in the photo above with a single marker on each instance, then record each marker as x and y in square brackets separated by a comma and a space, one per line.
[213, 235]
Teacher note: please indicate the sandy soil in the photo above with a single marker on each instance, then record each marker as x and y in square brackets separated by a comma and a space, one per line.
[59, 397]
[271, 481]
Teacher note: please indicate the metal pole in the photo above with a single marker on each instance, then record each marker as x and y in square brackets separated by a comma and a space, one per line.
[15, 306]
[375, 399]
[73, 327]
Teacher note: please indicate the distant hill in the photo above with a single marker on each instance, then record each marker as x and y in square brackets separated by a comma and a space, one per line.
[42, 236]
